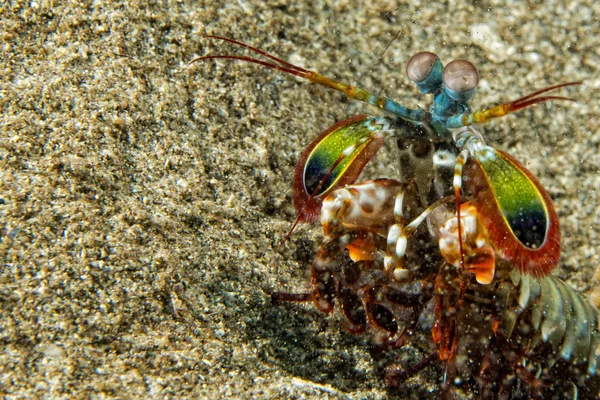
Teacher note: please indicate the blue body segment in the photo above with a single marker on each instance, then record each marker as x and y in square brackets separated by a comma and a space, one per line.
[403, 112]
[445, 107]
[447, 112]
[432, 82]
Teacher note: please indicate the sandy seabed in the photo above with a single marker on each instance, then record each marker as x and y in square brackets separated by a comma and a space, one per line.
[142, 200]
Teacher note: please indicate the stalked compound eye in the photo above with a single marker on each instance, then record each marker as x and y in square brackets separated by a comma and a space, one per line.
[420, 65]
[425, 69]
[460, 79]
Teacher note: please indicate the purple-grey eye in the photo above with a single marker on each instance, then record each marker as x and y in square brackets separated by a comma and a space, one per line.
[420, 65]
[460, 76]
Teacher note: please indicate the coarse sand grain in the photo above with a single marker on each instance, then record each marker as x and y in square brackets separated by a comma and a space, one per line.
[143, 200]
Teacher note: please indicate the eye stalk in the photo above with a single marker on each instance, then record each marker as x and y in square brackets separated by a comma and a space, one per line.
[460, 80]
[425, 69]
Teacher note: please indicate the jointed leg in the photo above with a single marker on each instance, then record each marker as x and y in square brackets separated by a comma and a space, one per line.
[373, 206]
[397, 239]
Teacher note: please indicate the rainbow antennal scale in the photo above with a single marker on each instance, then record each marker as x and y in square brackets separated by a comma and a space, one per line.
[514, 207]
[335, 159]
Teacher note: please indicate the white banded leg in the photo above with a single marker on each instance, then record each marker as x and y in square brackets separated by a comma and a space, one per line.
[461, 159]
[397, 239]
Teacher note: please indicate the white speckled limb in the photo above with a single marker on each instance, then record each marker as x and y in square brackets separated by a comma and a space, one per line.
[397, 240]
[368, 206]
[478, 252]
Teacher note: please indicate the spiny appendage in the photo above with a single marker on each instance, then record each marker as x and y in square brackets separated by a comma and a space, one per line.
[480, 117]
[476, 249]
[352, 92]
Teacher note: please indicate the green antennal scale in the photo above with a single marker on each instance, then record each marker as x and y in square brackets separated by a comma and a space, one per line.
[516, 210]
[335, 159]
